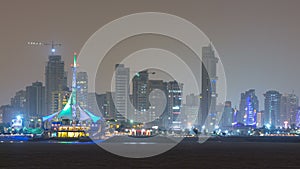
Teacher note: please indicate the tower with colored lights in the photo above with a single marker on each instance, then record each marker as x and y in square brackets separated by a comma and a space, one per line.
[74, 88]
[82, 89]
[249, 107]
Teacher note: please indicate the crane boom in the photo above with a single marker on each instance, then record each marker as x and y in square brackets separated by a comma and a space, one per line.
[52, 44]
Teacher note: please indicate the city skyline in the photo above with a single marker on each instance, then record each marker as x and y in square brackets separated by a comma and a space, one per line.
[285, 110]
[150, 84]
[265, 46]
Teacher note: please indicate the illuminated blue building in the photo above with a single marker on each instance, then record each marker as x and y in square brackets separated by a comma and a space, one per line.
[298, 117]
[249, 107]
[250, 116]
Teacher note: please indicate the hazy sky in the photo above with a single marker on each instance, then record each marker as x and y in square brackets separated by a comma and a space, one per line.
[258, 41]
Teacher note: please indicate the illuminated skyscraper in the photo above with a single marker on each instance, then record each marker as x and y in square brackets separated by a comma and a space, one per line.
[259, 120]
[289, 108]
[18, 102]
[122, 92]
[55, 79]
[82, 89]
[249, 107]
[174, 103]
[209, 79]
[106, 105]
[139, 91]
[35, 100]
[156, 113]
[272, 108]
[298, 117]
[59, 99]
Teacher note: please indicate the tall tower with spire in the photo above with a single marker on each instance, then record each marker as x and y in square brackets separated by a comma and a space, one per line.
[74, 88]
[72, 110]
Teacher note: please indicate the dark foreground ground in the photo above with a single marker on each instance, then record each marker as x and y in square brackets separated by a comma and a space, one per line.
[188, 154]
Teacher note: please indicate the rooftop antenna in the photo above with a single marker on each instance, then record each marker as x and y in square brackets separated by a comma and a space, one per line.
[52, 44]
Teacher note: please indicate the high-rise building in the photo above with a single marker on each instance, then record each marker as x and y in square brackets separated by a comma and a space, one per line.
[289, 108]
[122, 92]
[157, 103]
[139, 91]
[249, 107]
[55, 80]
[272, 108]
[227, 116]
[192, 100]
[298, 117]
[174, 103]
[35, 100]
[7, 113]
[110, 106]
[260, 119]
[18, 102]
[191, 109]
[59, 99]
[92, 104]
[209, 79]
[82, 89]
[106, 105]
[101, 102]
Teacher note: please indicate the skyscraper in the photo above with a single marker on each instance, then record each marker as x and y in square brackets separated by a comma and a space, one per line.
[249, 107]
[260, 119]
[192, 100]
[209, 79]
[92, 104]
[82, 89]
[227, 117]
[7, 113]
[122, 92]
[157, 95]
[59, 99]
[289, 108]
[55, 79]
[174, 90]
[191, 109]
[139, 91]
[106, 105]
[35, 100]
[272, 108]
[18, 102]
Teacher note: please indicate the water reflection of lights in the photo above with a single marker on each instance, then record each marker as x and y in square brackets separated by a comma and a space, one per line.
[138, 143]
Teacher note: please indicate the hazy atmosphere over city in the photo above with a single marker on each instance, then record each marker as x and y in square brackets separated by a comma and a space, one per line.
[257, 41]
[150, 84]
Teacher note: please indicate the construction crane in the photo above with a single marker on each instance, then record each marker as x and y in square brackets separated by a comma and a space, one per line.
[52, 44]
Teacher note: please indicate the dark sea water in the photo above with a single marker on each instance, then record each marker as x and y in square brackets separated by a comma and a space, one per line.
[188, 154]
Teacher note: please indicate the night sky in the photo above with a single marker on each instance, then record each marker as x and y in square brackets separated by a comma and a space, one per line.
[258, 41]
